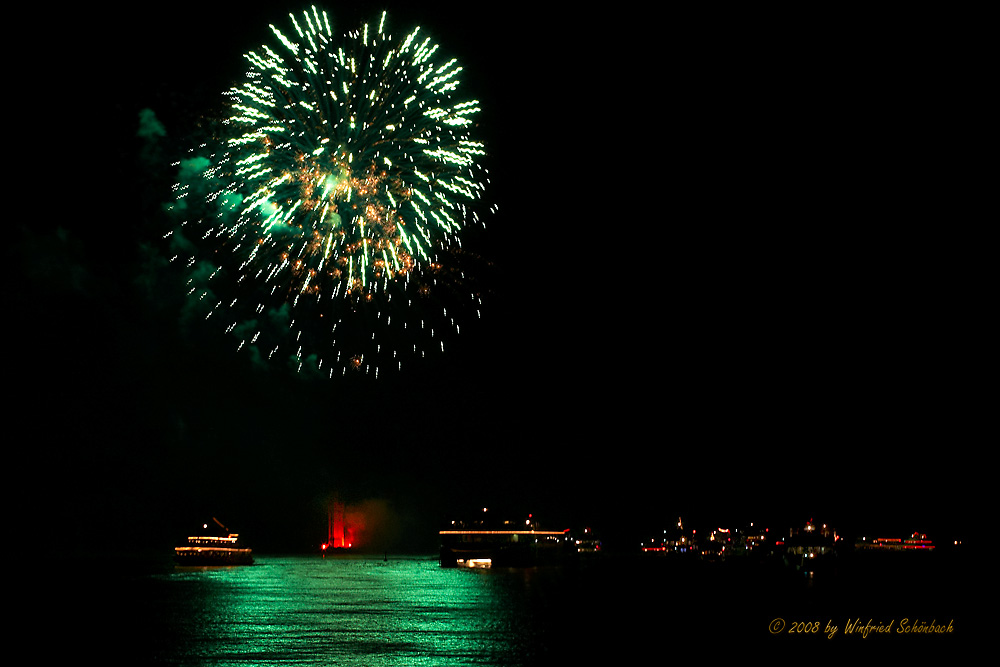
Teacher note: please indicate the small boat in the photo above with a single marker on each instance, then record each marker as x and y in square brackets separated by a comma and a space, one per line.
[214, 549]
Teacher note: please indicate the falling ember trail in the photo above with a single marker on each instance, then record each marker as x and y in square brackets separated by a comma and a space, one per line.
[334, 199]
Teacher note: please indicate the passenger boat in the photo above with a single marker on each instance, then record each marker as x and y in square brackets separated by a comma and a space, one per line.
[917, 542]
[503, 544]
[214, 549]
[811, 548]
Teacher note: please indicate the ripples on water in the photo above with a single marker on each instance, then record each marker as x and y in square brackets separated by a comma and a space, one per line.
[308, 611]
[410, 611]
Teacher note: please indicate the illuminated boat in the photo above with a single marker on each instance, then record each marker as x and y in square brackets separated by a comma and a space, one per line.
[810, 548]
[917, 542]
[208, 549]
[507, 544]
[672, 541]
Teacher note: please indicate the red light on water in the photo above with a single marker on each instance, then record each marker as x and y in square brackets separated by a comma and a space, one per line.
[335, 537]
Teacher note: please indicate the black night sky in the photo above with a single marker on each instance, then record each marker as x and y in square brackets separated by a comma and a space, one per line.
[730, 281]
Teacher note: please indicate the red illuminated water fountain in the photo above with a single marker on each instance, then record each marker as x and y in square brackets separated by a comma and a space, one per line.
[337, 538]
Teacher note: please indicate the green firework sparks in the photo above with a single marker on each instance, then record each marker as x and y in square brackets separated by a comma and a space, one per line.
[347, 168]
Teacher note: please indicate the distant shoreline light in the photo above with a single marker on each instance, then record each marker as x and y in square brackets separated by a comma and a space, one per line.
[503, 532]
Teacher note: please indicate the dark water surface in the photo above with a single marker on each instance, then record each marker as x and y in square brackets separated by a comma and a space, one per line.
[407, 610]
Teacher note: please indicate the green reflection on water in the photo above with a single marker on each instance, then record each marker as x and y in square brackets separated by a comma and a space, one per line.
[349, 610]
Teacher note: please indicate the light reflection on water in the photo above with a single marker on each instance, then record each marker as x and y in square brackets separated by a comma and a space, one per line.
[301, 610]
[410, 611]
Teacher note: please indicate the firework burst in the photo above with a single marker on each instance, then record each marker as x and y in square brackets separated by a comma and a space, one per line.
[330, 204]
